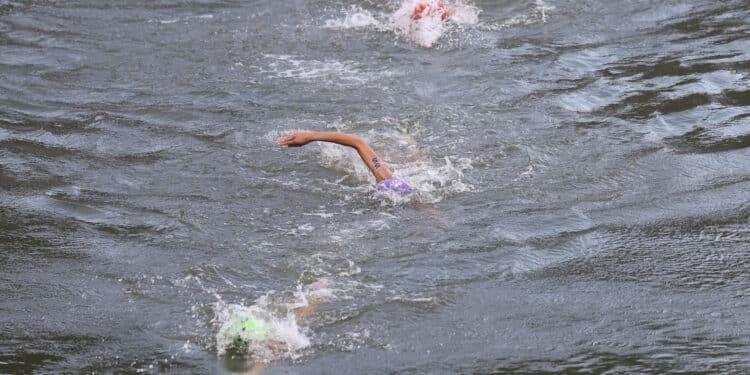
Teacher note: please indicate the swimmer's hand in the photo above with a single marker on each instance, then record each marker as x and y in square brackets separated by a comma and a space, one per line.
[296, 139]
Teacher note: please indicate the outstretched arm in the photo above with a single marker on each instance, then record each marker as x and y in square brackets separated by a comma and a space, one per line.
[371, 159]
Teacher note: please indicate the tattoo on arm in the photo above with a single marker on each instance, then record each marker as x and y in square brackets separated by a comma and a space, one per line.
[376, 162]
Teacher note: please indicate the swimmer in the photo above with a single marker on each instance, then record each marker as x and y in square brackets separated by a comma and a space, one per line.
[384, 179]
[254, 335]
[425, 9]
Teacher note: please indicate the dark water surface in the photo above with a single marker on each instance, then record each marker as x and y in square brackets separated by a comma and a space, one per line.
[585, 167]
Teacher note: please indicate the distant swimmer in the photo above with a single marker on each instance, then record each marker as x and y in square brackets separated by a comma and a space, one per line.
[429, 9]
[425, 21]
[384, 179]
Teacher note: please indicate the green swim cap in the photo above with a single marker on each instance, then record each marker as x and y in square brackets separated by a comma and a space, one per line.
[249, 330]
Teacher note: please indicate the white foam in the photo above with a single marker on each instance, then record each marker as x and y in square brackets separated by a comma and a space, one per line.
[406, 299]
[354, 18]
[425, 31]
[283, 329]
[324, 215]
[429, 28]
[542, 8]
[285, 338]
[344, 73]
[465, 14]
[184, 19]
[432, 179]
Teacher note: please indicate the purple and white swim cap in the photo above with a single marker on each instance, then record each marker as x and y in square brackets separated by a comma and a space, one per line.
[395, 185]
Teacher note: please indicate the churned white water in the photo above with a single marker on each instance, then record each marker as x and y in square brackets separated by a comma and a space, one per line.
[282, 328]
[355, 17]
[425, 31]
[285, 333]
[433, 177]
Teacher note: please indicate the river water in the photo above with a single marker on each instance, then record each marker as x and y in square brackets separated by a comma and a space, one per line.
[582, 172]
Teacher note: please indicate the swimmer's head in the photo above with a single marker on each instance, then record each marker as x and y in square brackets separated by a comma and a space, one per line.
[244, 332]
[395, 185]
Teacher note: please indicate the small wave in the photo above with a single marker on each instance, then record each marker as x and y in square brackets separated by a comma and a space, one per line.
[538, 14]
[184, 19]
[77, 204]
[710, 83]
[90, 141]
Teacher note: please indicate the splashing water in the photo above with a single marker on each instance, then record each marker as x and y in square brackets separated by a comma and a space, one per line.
[429, 26]
[433, 180]
[278, 315]
[424, 29]
[355, 18]
[341, 73]
[282, 330]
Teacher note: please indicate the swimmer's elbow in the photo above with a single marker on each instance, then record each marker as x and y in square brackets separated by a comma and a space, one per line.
[358, 142]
